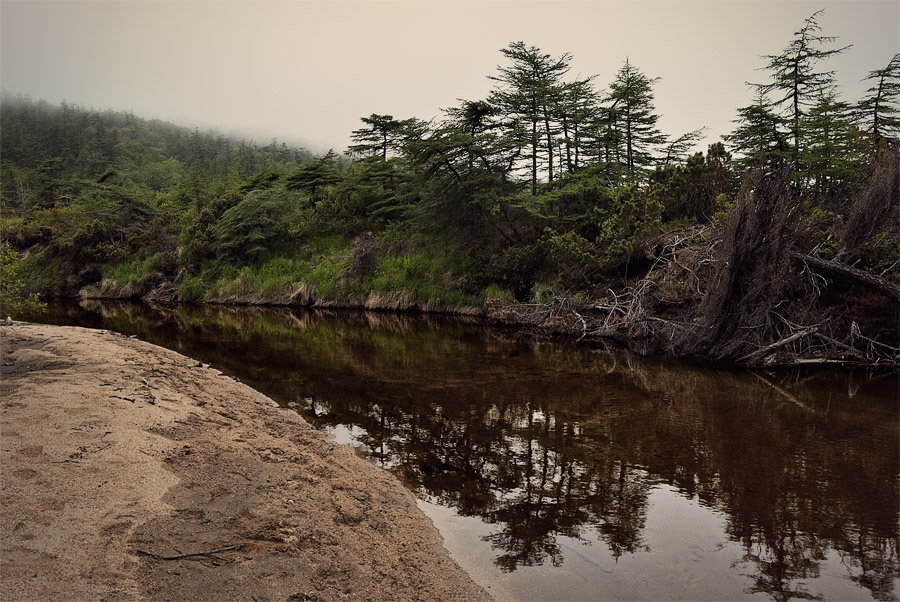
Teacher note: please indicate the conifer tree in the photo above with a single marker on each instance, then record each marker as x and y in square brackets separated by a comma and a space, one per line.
[315, 174]
[878, 111]
[473, 123]
[760, 137]
[829, 156]
[632, 116]
[384, 134]
[528, 94]
[577, 107]
[796, 84]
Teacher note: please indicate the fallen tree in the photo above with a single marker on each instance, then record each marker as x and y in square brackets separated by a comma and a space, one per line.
[851, 274]
[746, 294]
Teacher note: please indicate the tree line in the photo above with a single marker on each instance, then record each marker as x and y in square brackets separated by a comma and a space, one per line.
[550, 188]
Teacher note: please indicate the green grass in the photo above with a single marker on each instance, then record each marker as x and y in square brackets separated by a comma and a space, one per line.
[494, 291]
[323, 262]
[320, 262]
[429, 277]
[132, 269]
[191, 290]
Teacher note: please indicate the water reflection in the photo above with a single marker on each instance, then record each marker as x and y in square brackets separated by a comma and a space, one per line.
[550, 444]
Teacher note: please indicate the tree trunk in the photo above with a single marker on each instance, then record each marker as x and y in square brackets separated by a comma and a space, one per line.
[549, 146]
[848, 272]
[534, 145]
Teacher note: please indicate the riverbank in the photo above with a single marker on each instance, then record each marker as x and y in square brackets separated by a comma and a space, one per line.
[133, 472]
[683, 295]
[643, 318]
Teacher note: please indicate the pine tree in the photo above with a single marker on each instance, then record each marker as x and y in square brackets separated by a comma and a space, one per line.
[679, 149]
[829, 155]
[473, 126]
[315, 174]
[577, 107]
[760, 137]
[632, 116]
[384, 135]
[878, 111]
[528, 95]
[795, 83]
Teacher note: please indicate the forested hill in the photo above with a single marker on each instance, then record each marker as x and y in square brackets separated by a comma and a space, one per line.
[553, 202]
[67, 144]
[84, 190]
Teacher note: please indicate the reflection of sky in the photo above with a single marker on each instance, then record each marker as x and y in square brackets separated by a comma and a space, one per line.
[345, 435]
[688, 557]
[684, 551]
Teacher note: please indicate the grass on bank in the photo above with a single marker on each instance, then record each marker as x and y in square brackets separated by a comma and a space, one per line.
[325, 264]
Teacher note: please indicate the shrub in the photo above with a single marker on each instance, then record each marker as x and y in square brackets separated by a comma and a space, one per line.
[494, 291]
[190, 290]
[250, 228]
[626, 224]
[723, 206]
[515, 268]
[575, 258]
[14, 298]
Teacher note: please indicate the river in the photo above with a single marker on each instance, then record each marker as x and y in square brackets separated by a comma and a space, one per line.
[562, 472]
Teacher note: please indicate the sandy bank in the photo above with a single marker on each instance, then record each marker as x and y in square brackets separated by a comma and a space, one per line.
[133, 472]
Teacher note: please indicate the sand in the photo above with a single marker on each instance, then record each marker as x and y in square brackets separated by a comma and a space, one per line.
[131, 472]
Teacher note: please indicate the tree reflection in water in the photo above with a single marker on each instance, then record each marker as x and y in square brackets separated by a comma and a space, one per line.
[547, 441]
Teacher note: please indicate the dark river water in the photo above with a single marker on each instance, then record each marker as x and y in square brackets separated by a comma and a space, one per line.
[557, 472]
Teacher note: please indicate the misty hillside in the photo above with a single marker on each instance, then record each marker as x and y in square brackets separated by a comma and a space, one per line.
[151, 154]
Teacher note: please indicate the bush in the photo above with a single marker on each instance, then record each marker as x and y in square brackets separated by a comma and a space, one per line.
[199, 236]
[14, 298]
[250, 228]
[515, 268]
[190, 290]
[723, 206]
[91, 242]
[626, 224]
[575, 259]
[494, 291]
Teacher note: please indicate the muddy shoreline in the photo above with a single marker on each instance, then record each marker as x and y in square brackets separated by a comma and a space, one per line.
[133, 472]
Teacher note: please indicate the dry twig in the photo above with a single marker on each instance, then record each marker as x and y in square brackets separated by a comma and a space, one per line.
[189, 554]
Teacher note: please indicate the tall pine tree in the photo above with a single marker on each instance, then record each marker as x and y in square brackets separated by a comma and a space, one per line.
[632, 116]
[796, 83]
[760, 138]
[878, 111]
[528, 94]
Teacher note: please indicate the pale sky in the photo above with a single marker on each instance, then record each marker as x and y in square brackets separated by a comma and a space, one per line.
[305, 72]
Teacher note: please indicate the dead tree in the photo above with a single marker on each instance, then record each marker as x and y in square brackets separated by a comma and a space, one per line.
[851, 274]
[753, 263]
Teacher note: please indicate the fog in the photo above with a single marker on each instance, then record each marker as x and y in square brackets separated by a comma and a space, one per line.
[305, 72]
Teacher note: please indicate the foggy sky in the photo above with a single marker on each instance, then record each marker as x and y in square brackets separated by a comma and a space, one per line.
[305, 72]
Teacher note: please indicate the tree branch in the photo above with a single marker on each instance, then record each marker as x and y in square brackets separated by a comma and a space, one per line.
[871, 281]
[178, 556]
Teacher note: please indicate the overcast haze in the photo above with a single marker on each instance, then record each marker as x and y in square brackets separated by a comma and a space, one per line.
[305, 72]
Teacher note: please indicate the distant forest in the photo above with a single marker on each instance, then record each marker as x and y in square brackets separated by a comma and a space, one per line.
[554, 202]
